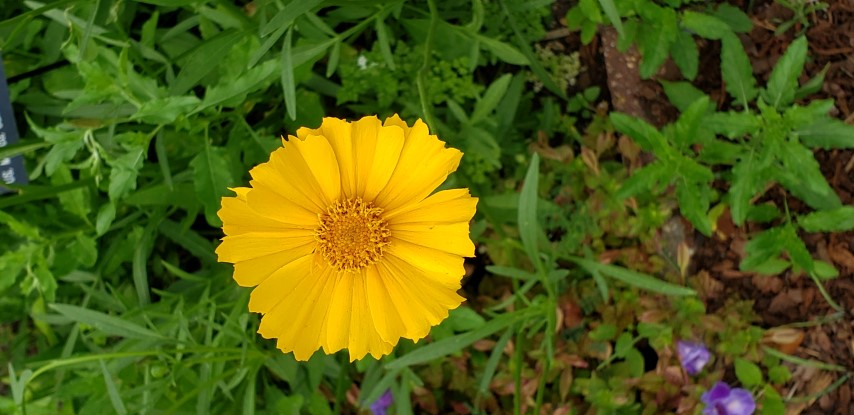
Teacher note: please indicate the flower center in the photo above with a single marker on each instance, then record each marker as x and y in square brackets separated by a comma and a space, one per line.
[352, 234]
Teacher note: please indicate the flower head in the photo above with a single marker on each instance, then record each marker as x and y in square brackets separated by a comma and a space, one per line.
[344, 239]
[693, 356]
[723, 400]
[381, 405]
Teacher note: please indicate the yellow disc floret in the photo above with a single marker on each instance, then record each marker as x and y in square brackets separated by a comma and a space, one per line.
[352, 234]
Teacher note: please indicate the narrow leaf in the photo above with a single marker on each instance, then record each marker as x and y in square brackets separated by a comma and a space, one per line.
[528, 226]
[736, 70]
[110, 325]
[633, 278]
[840, 219]
[783, 82]
[288, 84]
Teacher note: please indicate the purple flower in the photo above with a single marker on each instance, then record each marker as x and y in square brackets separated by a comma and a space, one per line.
[380, 406]
[721, 400]
[693, 356]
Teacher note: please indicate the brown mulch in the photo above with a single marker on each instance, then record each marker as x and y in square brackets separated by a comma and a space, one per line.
[787, 299]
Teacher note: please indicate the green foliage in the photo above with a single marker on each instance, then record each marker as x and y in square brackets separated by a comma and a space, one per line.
[659, 31]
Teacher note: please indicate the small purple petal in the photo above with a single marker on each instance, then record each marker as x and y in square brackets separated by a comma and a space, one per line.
[721, 400]
[718, 392]
[740, 402]
[693, 356]
[380, 406]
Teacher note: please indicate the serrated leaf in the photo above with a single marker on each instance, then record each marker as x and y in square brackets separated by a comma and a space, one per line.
[685, 54]
[165, 110]
[797, 249]
[802, 176]
[644, 179]
[649, 138]
[733, 124]
[744, 185]
[827, 133]
[204, 59]
[655, 43]
[783, 83]
[212, 179]
[685, 129]
[737, 20]
[736, 70]
[124, 172]
[762, 247]
[681, 94]
[694, 204]
[704, 25]
[747, 372]
[840, 219]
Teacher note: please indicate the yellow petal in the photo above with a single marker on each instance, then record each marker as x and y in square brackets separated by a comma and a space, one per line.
[338, 132]
[287, 175]
[270, 203]
[282, 283]
[381, 156]
[384, 312]
[238, 217]
[420, 301]
[337, 327]
[455, 205]
[444, 268]
[257, 244]
[424, 164]
[452, 238]
[364, 337]
[253, 271]
[321, 161]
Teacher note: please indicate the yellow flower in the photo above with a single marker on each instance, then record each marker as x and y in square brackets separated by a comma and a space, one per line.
[344, 240]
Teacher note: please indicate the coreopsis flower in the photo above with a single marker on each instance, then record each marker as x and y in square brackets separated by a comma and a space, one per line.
[723, 400]
[381, 405]
[344, 239]
[693, 356]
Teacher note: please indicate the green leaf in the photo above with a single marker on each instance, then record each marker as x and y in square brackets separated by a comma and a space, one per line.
[783, 83]
[112, 390]
[212, 178]
[603, 332]
[649, 138]
[797, 250]
[503, 51]
[733, 124]
[813, 85]
[704, 25]
[633, 278]
[645, 179]
[746, 182]
[20, 148]
[681, 94]
[165, 110]
[204, 59]
[772, 402]
[824, 270]
[288, 14]
[802, 176]
[747, 372]
[288, 83]
[124, 172]
[106, 215]
[694, 205]
[840, 219]
[737, 20]
[383, 40]
[433, 351]
[736, 70]
[613, 14]
[685, 54]
[686, 128]
[655, 43]
[237, 89]
[529, 228]
[827, 133]
[491, 98]
[109, 325]
[720, 152]
[762, 247]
